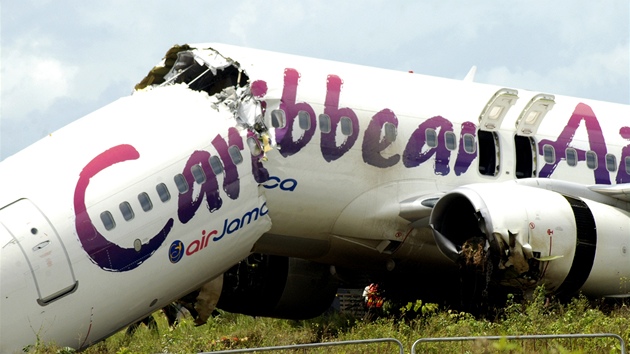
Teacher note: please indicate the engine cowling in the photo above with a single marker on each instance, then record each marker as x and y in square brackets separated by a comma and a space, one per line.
[280, 287]
[520, 236]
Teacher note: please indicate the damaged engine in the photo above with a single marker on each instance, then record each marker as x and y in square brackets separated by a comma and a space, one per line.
[503, 237]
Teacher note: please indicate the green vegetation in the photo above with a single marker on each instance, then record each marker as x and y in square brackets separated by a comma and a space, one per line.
[413, 321]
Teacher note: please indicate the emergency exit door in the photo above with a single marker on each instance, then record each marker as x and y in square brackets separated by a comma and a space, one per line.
[41, 246]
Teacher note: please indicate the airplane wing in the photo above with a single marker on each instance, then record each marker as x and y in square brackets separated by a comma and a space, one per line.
[617, 191]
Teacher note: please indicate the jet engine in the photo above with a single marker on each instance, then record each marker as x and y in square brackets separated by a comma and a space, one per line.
[280, 287]
[520, 236]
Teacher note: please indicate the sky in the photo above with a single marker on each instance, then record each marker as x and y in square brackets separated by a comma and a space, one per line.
[62, 59]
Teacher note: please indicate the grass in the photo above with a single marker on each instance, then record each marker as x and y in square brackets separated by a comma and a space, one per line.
[537, 316]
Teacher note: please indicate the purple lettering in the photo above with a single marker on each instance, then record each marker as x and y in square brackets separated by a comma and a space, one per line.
[329, 147]
[465, 159]
[188, 204]
[284, 136]
[373, 145]
[414, 155]
[231, 184]
[259, 90]
[596, 142]
[108, 255]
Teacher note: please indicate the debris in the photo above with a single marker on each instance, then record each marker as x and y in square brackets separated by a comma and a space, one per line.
[206, 70]
[473, 253]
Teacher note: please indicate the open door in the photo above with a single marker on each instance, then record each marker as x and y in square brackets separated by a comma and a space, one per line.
[526, 127]
[533, 114]
[490, 121]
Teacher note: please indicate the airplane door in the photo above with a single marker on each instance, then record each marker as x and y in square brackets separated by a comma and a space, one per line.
[526, 127]
[40, 244]
[525, 150]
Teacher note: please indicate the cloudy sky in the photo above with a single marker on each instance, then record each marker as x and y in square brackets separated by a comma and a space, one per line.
[63, 59]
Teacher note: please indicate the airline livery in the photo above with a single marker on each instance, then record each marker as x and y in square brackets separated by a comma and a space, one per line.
[284, 177]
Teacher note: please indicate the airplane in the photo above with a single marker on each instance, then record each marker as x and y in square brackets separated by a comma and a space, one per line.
[286, 176]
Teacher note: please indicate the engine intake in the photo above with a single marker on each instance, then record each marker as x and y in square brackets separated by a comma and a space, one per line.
[520, 236]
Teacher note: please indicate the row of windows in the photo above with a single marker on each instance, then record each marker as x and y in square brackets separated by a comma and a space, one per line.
[549, 154]
[431, 137]
[126, 210]
[450, 140]
[389, 130]
[278, 119]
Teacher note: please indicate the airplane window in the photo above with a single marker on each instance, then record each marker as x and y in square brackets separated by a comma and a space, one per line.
[346, 126]
[108, 220]
[549, 153]
[611, 162]
[469, 143]
[216, 165]
[254, 146]
[182, 184]
[572, 159]
[449, 139]
[145, 201]
[431, 137]
[390, 132]
[235, 154]
[163, 192]
[324, 123]
[198, 174]
[591, 160]
[125, 209]
[278, 118]
[305, 120]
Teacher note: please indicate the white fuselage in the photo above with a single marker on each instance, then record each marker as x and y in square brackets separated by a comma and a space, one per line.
[66, 278]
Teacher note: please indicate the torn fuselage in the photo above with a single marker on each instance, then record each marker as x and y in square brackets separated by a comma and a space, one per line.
[206, 70]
